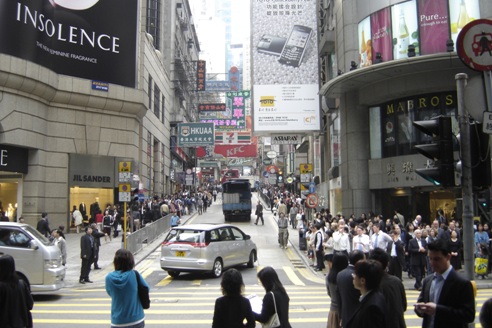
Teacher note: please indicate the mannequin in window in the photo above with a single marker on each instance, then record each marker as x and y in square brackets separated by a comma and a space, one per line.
[10, 212]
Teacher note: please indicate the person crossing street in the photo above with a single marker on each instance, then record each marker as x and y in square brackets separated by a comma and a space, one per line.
[259, 213]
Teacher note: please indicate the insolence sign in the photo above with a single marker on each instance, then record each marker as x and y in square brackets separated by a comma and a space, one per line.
[91, 39]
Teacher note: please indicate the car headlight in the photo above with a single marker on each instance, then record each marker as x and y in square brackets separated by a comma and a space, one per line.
[52, 264]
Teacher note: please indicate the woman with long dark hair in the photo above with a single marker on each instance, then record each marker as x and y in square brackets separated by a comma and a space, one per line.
[275, 300]
[15, 296]
[340, 262]
[232, 309]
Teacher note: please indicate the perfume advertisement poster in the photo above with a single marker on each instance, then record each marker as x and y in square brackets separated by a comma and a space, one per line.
[381, 35]
[404, 28]
[462, 12]
[91, 39]
[284, 61]
[434, 26]
[365, 52]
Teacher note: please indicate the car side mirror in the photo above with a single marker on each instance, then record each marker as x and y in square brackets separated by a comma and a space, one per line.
[34, 245]
[247, 237]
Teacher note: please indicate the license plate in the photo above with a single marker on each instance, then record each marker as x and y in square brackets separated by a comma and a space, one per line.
[180, 253]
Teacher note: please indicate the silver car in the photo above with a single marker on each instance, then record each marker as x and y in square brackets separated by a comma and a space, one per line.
[206, 248]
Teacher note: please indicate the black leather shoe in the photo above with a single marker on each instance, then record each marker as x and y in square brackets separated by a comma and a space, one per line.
[81, 281]
[89, 281]
[97, 268]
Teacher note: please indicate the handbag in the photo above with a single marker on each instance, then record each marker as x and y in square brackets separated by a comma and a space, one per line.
[274, 321]
[143, 292]
[118, 227]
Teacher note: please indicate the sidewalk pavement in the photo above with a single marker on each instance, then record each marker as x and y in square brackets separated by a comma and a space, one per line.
[106, 255]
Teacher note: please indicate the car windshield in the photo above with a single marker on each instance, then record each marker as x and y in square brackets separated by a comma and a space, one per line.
[185, 236]
[38, 235]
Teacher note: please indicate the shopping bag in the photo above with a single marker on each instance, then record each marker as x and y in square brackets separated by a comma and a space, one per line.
[481, 265]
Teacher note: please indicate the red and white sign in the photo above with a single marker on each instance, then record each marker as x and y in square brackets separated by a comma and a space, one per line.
[272, 169]
[250, 150]
[474, 45]
[311, 201]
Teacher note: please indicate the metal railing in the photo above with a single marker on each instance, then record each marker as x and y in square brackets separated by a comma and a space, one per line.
[136, 241]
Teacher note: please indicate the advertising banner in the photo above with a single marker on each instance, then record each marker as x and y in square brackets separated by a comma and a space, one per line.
[285, 66]
[405, 31]
[365, 52]
[433, 25]
[91, 39]
[381, 41]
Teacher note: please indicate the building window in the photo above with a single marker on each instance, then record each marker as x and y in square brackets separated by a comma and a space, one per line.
[153, 20]
[157, 100]
[149, 91]
[163, 108]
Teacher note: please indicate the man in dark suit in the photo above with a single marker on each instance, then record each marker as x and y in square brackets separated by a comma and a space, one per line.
[371, 311]
[417, 248]
[447, 299]
[397, 255]
[347, 294]
[96, 236]
[43, 225]
[86, 254]
[393, 291]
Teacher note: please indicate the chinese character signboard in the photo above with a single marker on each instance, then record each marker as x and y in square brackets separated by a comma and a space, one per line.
[234, 118]
[201, 71]
[196, 134]
[220, 107]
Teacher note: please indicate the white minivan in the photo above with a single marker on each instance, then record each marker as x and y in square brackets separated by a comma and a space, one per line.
[37, 261]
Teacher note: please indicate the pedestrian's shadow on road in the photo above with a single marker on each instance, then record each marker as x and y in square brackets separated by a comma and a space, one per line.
[46, 298]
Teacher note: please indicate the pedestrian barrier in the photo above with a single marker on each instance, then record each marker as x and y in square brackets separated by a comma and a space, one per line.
[146, 235]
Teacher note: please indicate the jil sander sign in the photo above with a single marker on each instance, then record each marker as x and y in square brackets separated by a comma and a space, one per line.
[13, 159]
[92, 171]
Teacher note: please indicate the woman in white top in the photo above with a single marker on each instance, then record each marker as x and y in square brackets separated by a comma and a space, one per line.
[59, 241]
[328, 245]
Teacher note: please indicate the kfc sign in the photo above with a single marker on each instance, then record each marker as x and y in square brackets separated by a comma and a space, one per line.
[237, 150]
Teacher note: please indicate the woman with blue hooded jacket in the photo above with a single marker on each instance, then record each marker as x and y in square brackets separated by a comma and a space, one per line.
[122, 286]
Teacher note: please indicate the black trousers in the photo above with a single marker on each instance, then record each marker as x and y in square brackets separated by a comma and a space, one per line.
[418, 272]
[395, 268]
[260, 216]
[95, 257]
[320, 264]
[85, 269]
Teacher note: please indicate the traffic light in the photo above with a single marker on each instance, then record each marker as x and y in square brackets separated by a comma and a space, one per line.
[480, 157]
[440, 150]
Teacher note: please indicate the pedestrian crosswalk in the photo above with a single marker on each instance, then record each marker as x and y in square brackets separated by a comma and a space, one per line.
[188, 301]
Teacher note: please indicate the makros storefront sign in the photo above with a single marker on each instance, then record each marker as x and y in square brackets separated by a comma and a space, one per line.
[92, 39]
[13, 159]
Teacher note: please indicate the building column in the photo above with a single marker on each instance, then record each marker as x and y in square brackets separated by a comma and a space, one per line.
[355, 154]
